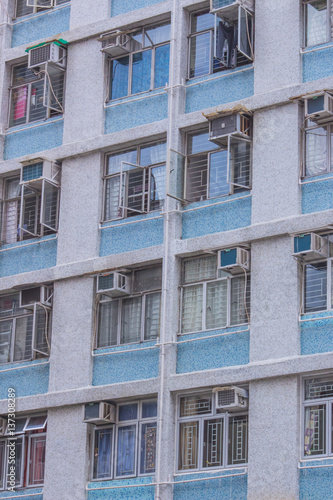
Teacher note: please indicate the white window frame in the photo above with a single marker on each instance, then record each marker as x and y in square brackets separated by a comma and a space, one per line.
[329, 152]
[138, 423]
[329, 297]
[213, 415]
[37, 9]
[305, 21]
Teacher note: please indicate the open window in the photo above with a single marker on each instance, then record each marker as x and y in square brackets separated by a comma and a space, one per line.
[26, 7]
[318, 22]
[176, 175]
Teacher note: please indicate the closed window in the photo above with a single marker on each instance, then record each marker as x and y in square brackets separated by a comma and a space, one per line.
[29, 436]
[26, 7]
[145, 65]
[127, 448]
[134, 181]
[213, 299]
[134, 317]
[317, 22]
[318, 149]
[208, 439]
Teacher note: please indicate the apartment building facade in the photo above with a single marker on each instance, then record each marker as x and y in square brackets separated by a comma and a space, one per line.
[166, 176]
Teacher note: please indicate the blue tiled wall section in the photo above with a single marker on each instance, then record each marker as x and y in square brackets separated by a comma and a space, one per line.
[225, 488]
[44, 25]
[25, 494]
[123, 6]
[317, 196]
[126, 366]
[210, 353]
[212, 91]
[29, 255]
[133, 113]
[317, 336]
[120, 237]
[216, 218]
[24, 141]
[316, 483]
[317, 64]
[30, 378]
[113, 493]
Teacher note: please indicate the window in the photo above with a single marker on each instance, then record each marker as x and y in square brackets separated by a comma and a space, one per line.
[36, 94]
[134, 182]
[26, 7]
[212, 299]
[318, 148]
[29, 436]
[132, 319]
[217, 44]
[30, 204]
[25, 331]
[146, 66]
[318, 283]
[208, 439]
[317, 22]
[213, 171]
[127, 448]
[318, 405]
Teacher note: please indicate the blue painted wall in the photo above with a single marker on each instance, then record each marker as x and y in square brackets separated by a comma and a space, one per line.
[318, 64]
[17, 258]
[317, 336]
[317, 196]
[206, 354]
[44, 25]
[226, 488]
[26, 381]
[116, 238]
[20, 141]
[316, 483]
[133, 113]
[234, 214]
[126, 366]
[143, 493]
[122, 6]
[212, 91]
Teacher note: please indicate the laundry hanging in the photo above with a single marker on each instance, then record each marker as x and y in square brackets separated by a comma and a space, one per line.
[226, 34]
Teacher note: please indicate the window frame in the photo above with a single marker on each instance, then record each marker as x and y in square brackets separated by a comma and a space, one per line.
[305, 24]
[329, 146]
[37, 10]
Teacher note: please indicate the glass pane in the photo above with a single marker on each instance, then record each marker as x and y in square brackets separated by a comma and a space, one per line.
[192, 309]
[315, 430]
[195, 405]
[196, 178]
[162, 59]
[199, 142]
[108, 324]
[37, 108]
[141, 77]
[315, 287]
[198, 269]
[148, 279]
[152, 316]
[2, 463]
[9, 305]
[213, 443]
[240, 163]
[37, 459]
[148, 448]
[112, 209]
[19, 462]
[6, 328]
[246, 27]
[114, 161]
[126, 451]
[238, 436]
[36, 422]
[102, 454]
[23, 338]
[216, 313]
[131, 320]
[50, 206]
[54, 91]
[316, 151]
[31, 208]
[19, 106]
[158, 34]
[128, 412]
[22, 74]
[316, 26]
[188, 445]
[318, 388]
[149, 155]
[202, 21]
[149, 409]
[218, 181]
[22, 9]
[157, 188]
[240, 301]
[119, 77]
[137, 187]
[200, 55]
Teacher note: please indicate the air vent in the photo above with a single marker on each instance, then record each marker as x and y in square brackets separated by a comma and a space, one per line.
[114, 284]
[50, 53]
[234, 260]
[99, 413]
[230, 398]
[310, 246]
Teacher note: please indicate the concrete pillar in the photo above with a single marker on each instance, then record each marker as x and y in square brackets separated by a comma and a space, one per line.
[89, 11]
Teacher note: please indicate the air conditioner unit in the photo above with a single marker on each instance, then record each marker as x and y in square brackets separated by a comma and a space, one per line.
[99, 413]
[228, 9]
[114, 284]
[117, 44]
[319, 107]
[221, 127]
[40, 294]
[3, 425]
[34, 171]
[50, 53]
[231, 398]
[233, 260]
[310, 246]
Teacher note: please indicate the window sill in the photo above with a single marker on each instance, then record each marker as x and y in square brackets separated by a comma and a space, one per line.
[97, 484]
[314, 48]
[218, 200]
[314, 462]
[232, 470]
[220, 74]
[317, 177]
[38, 123]
[216, 332]
[129, 220]
[30, 241]
[313, 316]
[17, 365]
[135, 97]
[27, 17]
[146, 344]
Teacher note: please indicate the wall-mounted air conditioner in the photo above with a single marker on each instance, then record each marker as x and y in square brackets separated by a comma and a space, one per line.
[116, 44]
[114, 284]
[3, 425]
[231, 398]
[235, 125]
[310, 246]
[228, 9]
[99, 413]
[39, 294]
[233, 260]
[52, 52]
[319, 107]
[34, 171]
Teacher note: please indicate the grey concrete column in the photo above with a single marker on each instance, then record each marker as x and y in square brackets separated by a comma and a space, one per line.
[273, 439]
[72, 330]
[89, 11]
[278, 29]
[66, 468]
[275, 299]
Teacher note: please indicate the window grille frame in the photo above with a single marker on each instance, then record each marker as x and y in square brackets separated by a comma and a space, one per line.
[37, 9]
[329, 23]
[329, 146]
